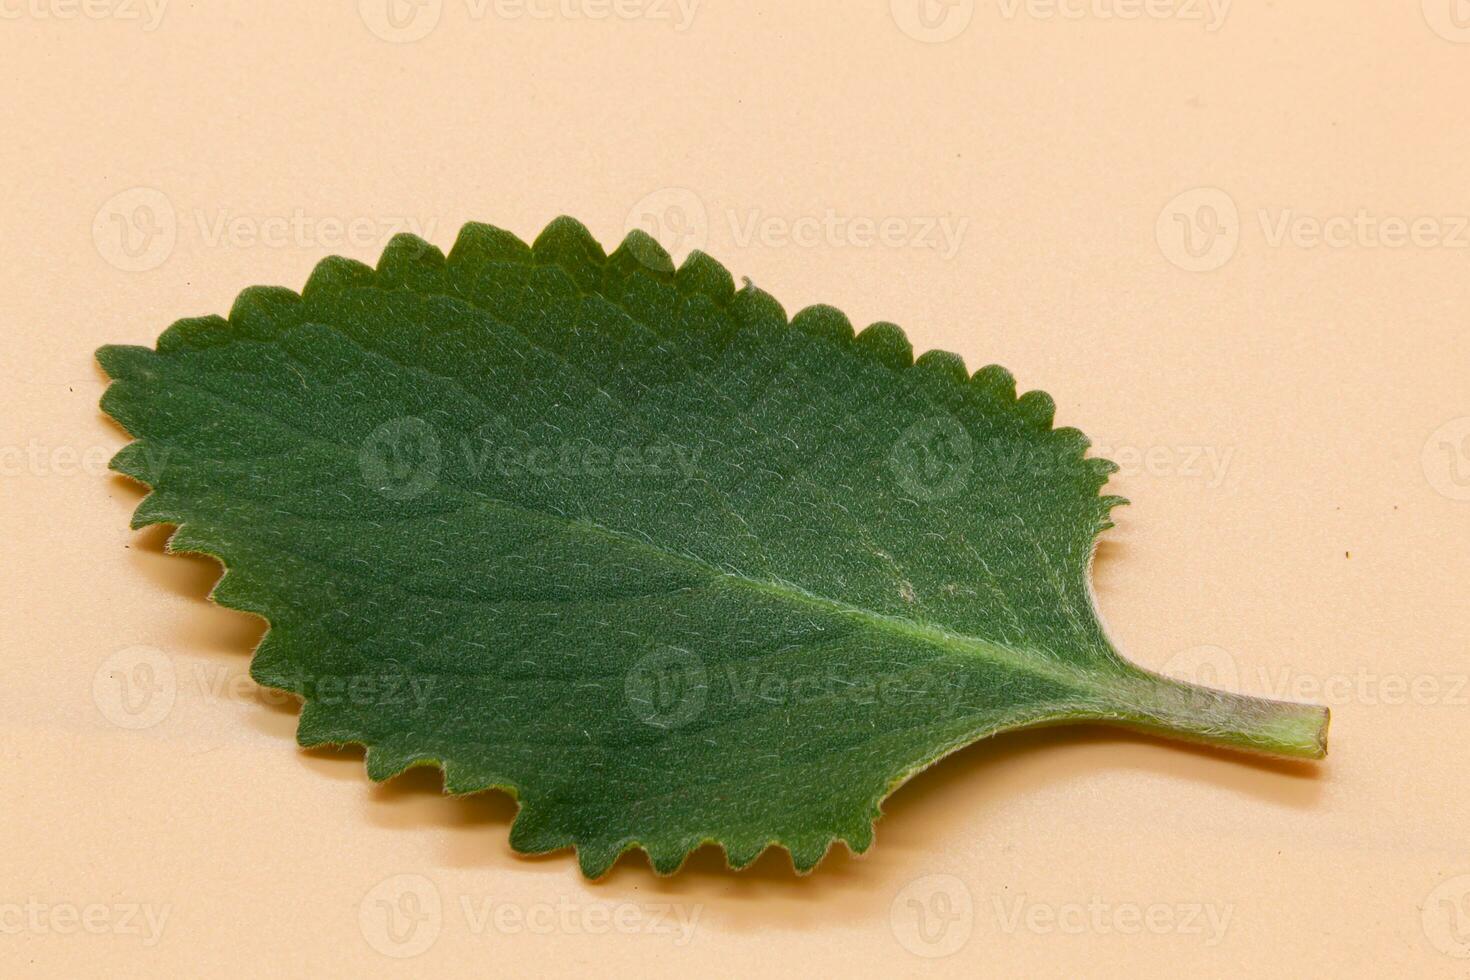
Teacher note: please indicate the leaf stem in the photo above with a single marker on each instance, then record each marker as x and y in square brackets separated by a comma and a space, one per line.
[1234, 721]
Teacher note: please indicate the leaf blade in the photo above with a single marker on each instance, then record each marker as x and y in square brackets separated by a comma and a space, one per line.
[821, 566]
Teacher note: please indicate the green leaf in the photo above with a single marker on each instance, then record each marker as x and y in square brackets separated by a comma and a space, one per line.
[623, 541]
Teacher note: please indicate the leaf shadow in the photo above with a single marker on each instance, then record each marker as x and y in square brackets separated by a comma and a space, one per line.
[936, 806]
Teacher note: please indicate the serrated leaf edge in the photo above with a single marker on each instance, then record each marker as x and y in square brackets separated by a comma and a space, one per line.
[883, 342]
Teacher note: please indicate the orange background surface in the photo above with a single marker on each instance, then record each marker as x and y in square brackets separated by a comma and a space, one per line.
[1230, 240]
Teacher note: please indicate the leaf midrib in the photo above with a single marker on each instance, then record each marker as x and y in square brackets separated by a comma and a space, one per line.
[1027, 661]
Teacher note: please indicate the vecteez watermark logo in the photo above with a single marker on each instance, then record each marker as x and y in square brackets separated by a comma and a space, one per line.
[675, 217]
[1205, 921]
[401, 458]
[1445, 459]
[1207, 665]
[1201, 229]
[45, 460]
[933, 916]
[1445, 917]
[1209, 14]
[404, 458]
[406, 21]
[932, 21]
[135, 688]
[1450, 19]
[680, 221]
[147, 14]
[942, 234]
[667, 688]
[141, 687]
[224, 228]
[937, 21]
[401, 916]
[1198, 230]
[1365, 229]
[939, 696]
[1214, 666]
[400, 21]
[135, 230]
[933, 458]
[144, 921]
[138, 229]
[671, 688]
[404, 915]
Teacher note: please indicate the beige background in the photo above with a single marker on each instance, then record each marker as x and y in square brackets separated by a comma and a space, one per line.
[1231, 241]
